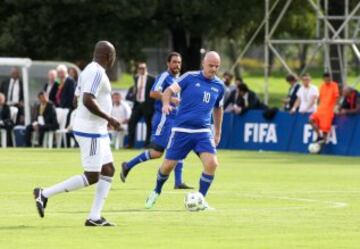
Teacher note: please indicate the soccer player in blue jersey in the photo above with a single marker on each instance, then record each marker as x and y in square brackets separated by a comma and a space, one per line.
[201, 94]
[161, 123]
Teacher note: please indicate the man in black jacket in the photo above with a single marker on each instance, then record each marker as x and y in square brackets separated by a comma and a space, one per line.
[291, 98]
[5, 118]
[143, 104]
[45, 120]
[66, 89]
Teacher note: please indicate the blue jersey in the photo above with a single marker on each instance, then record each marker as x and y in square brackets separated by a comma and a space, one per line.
[161, 123]
[163, 81]
[199, 96]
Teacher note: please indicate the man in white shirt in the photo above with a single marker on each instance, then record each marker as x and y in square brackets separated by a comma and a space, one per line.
[122, 112]
[307, 96]
[90, 129]
[13, 90]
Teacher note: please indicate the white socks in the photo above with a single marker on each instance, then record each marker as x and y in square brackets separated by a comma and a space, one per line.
[80, 181]
[73, 183]
[102, 189]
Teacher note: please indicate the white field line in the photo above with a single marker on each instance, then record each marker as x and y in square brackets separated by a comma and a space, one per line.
[330, 204]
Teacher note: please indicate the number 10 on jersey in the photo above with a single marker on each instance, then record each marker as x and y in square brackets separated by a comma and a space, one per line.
[206, 97]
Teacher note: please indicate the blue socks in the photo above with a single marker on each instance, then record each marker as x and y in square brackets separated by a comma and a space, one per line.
[205, 182]
[178, 173]
[146, 156]
[161, 179]
[138, 159]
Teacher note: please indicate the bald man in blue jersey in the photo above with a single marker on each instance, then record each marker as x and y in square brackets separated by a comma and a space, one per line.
[161, 123]
[201, 95]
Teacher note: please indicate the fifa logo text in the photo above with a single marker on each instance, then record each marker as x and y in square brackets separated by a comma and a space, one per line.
[309, 135]
[260, 133]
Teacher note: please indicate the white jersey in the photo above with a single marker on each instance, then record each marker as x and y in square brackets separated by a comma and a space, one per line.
[306, 94]
[93, 80]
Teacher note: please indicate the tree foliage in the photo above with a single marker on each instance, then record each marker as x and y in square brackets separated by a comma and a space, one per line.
[68, 29]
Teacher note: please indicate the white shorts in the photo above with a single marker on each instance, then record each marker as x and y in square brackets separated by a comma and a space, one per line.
[95, 152]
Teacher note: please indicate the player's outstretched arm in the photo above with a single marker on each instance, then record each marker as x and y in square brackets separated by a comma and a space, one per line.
[92, 105]
[218, 118]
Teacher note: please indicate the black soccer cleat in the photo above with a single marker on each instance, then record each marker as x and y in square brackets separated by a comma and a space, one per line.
[124, 172]
[182, 186]
[98, 223]
[40, 201]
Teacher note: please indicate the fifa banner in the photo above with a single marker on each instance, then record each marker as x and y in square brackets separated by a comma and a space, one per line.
[288, 132]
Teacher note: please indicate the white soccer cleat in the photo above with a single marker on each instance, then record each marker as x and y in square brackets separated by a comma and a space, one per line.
[150, 201]
[206, 207]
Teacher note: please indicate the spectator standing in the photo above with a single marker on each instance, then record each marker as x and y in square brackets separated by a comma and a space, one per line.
[321, 120]
[290, 99]
[143, 104]
[66, 89]
[5, 118]
[229, 87]
[45, 120]
[12, 88]
[307, 96]
[350, 101]
[232, 101]
[73, 74]
[130, 95]
[51, 87]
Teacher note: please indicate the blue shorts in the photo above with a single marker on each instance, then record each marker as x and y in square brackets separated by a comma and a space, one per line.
[181, 143]
[161, 130]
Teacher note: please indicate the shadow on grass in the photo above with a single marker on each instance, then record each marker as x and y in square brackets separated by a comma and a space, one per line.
[131, 210]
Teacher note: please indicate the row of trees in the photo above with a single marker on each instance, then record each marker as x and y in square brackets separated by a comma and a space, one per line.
[68, 29]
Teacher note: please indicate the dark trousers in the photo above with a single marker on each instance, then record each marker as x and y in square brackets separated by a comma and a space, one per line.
[138, 112]
[8, 129]
[28, 132]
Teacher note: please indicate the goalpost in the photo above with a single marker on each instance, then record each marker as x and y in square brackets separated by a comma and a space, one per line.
[24, 63]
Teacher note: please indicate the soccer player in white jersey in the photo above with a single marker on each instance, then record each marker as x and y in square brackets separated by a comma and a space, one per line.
[90, 130]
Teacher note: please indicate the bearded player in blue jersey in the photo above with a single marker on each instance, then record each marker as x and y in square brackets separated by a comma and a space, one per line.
[161, 123]
[201, 94]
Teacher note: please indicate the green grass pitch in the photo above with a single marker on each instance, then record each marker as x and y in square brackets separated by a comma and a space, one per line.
[262, 200]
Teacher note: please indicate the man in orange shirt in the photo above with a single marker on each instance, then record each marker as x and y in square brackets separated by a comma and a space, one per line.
[321, 120]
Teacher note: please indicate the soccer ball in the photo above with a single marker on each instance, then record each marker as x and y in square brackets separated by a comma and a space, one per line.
[194, 201]
[314, 148]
